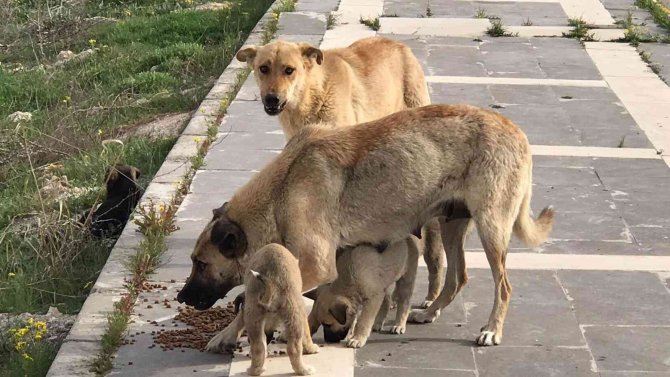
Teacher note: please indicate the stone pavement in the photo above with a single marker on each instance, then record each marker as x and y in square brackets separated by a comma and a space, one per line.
[593, 301]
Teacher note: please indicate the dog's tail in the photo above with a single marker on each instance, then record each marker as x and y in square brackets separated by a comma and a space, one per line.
[533, 232]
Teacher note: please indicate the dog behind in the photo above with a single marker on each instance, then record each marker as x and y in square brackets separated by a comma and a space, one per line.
[123, 194]
[358, 300]
[272, 289]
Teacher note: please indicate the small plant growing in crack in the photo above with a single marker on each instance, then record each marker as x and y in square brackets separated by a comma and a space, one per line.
[580, 30]
[527, 22]
[372, 23]
[429, 12]
[332, 21]
[481, 13]
[497, 29]
[634, 33]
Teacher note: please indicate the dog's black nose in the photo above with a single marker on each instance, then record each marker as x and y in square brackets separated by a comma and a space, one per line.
[271, 100]
[331, 336]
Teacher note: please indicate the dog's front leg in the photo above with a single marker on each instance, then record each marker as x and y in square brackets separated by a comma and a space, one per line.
[365, 320]
[226, 339]
[383, 311]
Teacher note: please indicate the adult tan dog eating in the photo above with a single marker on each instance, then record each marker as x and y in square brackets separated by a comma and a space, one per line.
[375, 184]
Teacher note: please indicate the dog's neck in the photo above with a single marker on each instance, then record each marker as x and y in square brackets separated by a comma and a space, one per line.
[311, 104]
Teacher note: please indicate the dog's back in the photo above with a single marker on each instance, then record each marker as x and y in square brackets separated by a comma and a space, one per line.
[280, 272]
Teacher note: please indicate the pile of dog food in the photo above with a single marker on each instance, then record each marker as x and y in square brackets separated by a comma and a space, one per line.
[203, 325]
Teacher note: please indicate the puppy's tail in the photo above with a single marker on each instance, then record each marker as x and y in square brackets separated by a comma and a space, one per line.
[533, 232]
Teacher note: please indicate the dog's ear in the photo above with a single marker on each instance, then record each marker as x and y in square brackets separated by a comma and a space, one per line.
[247, 54]
[219, 212]
[229, 238]
[258, 276]
[112, 174]
[312, 295]
[339, 312]
[239, 302]
[311, 52]
[135, 173]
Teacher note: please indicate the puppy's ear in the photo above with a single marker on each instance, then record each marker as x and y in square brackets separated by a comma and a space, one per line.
[312, 53]
[135, 173]
[258, 276]
[239, 302]
[312, 295]
[339, 312]
[247, 54]
[229, 238]
[111, 175]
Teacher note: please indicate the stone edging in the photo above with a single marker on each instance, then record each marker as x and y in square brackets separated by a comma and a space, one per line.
[83, 342]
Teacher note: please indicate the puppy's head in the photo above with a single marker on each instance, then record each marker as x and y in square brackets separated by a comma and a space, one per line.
[217, 262]
[280, 69]
[121, 180]
[334, 312]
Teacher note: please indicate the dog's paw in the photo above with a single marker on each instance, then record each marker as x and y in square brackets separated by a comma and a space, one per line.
[422, 316]
[255, 371]
[488, 338]
[377, 327]
[311, 349]
[222, 343]
[425, 304]
[356, 342]
[397, 330]
[306, 370]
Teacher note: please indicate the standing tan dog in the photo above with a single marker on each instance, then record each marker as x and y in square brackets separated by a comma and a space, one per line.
[272, 286]
[372, 78]
[376, 183]
[359, 299]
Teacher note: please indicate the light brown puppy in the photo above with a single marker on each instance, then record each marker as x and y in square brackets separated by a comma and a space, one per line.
[359, 299]
[272, 286]
[371, 78]
[374, 184]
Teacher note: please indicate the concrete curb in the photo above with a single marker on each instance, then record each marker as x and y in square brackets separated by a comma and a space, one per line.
[83, 341]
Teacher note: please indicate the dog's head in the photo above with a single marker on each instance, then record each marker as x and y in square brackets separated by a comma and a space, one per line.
[121, 181]
[280, 69]
[334, 312]
[217, 262]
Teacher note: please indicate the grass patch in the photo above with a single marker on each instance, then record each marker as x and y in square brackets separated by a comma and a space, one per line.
[481, 13]
[271, 26]
[372, 23]
[497, 29]
[332, 21]
[527, 22]
[659, 12]
[429, 12]
[580, 30]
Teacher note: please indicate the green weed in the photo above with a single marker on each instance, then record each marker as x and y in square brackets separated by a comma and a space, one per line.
[372, 23]
[497, 29]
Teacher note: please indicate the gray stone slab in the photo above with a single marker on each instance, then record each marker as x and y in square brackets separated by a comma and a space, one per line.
[305, 23]
[590, 226]
[654, 240]
[533, 362]
[233, 159]
[659, 54]
[539, 313]
[455, 61]
[477, 95]
[646, 213]
[513, 64]
[611, 373]
[314, 40]
[591, 247]
[543, 124]
[319, 6]
[566, 176]
[442, 351]
[382, 371]
[630, 348]
[617, 297]
[249, 141]
[524, 95]
[572, 198]
[222, 184]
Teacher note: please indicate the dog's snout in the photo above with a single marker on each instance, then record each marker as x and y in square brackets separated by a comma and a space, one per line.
[272, 100]
[331, 336]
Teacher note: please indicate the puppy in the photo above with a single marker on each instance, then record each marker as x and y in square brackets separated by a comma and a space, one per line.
[358, 300]
[123, 194]
[272, 286]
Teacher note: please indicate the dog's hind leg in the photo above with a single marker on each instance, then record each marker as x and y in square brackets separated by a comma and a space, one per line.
[383, 311]
[495, 235]
[405, 286]
[415, 89]
[256, 334]
[454, 233]
[295, 328]
[434, 256]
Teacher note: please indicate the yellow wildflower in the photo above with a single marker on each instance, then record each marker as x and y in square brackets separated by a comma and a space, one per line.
[31, 321]
[11, 274]
[127, 12]
[22, 332]
[20, 345]
[40, 325]
[27, 357]
[92, 42]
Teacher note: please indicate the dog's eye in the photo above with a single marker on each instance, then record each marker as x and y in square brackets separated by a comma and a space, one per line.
[288, 70]
[264, 69]
[201, 265]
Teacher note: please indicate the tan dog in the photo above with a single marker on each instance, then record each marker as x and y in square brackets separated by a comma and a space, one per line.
[272, 286]
[375, 184]
[367, 80]
[359, 299]
[372, 78]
